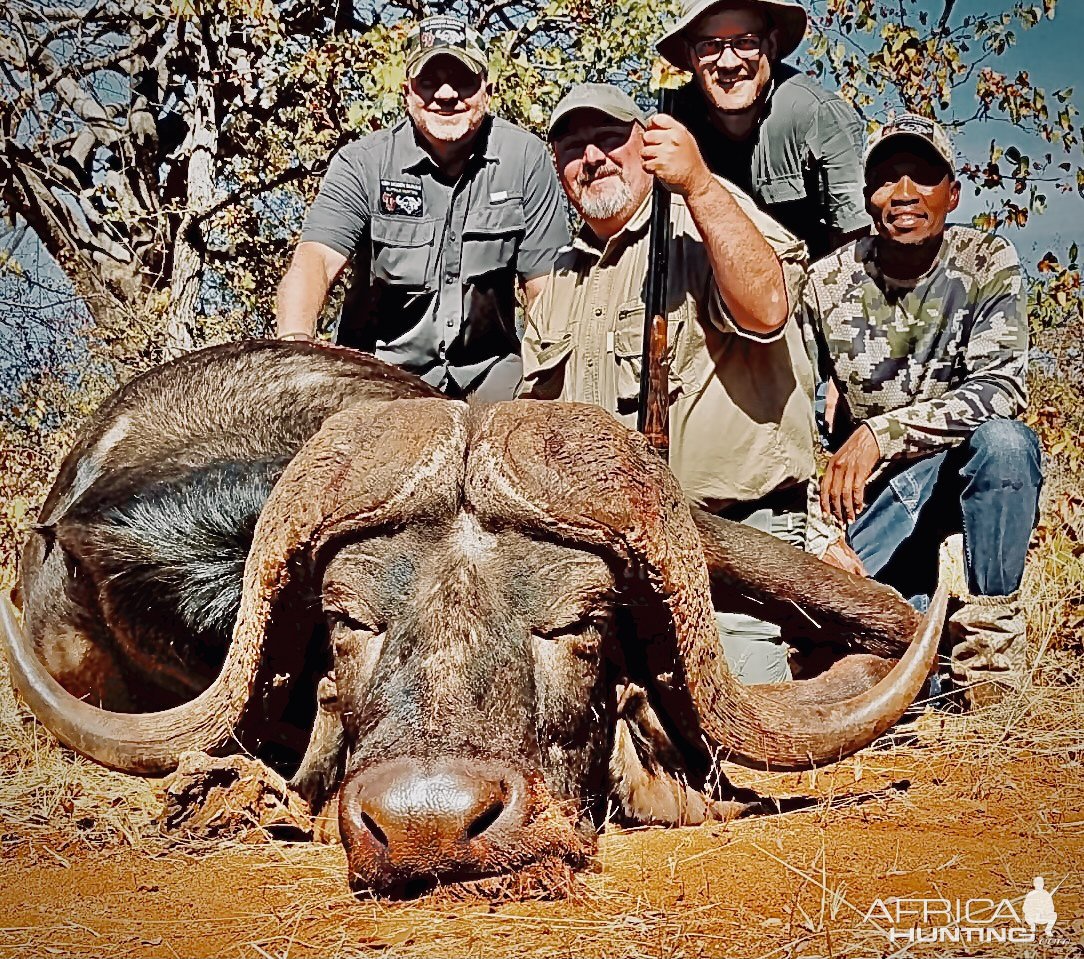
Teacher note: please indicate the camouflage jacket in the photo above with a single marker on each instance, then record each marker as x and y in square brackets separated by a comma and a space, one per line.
[922, 363]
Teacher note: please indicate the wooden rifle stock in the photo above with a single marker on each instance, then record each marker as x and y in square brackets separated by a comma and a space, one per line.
[653, 412]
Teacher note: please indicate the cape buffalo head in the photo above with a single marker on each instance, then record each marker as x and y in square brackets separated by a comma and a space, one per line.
[494, 581]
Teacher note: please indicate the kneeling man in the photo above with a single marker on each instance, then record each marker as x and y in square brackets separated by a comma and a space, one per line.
[741, 426]
[922, 331]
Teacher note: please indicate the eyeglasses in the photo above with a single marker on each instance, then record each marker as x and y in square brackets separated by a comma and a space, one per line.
[747, 46]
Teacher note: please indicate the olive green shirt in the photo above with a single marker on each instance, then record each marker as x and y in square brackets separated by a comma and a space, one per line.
[802, 164]
[741, 419]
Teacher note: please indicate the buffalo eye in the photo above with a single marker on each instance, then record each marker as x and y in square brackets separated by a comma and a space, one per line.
[581, 631]
[349, 633]
[337, 618]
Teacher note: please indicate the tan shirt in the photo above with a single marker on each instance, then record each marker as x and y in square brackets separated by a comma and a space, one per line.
[741, 406]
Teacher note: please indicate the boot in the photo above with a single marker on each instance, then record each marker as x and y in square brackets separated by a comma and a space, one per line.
[986, 636]
[988, 642]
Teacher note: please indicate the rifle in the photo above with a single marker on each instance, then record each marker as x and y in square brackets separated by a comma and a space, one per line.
[653, 412]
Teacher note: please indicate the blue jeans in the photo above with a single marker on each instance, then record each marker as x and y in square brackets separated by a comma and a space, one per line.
[987, 488]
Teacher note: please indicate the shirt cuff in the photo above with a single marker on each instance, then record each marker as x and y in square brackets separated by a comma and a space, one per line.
[533, 263]
[337, 244]
[890, 434]
[721, 318]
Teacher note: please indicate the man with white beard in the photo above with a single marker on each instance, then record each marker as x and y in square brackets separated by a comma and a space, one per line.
[440, 214]
[741, 415]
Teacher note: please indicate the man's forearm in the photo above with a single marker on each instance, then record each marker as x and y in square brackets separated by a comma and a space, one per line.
[937, 424]
[747, 271]
[301, 296]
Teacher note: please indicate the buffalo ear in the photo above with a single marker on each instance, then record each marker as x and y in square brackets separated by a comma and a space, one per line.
[373, 465]
[649, 775]
[166, 564]
[651, 659]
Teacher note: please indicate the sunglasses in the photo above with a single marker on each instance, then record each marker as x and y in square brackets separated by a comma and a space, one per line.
[747, 46]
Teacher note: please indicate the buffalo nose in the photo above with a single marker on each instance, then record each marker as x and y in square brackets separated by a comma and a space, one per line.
[404, 820]
[443, 808]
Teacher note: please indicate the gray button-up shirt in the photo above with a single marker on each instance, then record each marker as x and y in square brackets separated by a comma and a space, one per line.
[803, 162]
[435, 261]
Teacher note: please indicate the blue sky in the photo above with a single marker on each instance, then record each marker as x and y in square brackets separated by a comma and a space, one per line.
[1052, 55]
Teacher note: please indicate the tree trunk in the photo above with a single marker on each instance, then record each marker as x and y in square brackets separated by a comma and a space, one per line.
[186, 275]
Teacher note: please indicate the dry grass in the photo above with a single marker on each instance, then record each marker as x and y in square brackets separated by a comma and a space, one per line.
[45, 787]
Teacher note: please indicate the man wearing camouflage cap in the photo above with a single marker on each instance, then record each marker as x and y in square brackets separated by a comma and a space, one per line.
[440, 215]
[922, 329]
[741, 425]
[764, 126]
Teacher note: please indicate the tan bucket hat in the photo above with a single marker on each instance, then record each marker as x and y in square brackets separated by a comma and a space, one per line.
[788, 17]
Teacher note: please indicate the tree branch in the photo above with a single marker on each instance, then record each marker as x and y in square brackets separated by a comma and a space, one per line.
[946, 12]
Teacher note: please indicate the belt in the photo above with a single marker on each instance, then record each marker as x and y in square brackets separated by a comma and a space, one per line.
[786, 499]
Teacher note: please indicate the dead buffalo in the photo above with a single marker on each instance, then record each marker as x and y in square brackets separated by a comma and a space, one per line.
[511, 605]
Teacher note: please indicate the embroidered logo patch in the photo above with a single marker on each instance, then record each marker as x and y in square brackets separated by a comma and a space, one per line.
[402, 199]
[445, 31]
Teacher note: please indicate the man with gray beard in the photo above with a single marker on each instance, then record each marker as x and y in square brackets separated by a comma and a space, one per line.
[441, 214]
[741, 414]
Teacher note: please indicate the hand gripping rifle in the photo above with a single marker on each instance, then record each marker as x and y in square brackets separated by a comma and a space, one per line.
[653, 412]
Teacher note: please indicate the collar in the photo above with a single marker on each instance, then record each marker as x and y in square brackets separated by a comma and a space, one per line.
[415, 157]
[873, 265]
[628, 234]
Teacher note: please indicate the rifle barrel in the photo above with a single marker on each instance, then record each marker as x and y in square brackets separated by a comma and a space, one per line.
[653, 411]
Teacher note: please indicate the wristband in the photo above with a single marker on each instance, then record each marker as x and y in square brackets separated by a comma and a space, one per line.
[296, 335]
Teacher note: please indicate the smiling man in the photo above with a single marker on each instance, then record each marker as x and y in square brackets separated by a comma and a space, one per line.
[440, 214]
[922, 328]
[741, 422]
[764, 126]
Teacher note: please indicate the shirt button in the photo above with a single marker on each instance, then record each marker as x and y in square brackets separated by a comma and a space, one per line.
[598, 311]
[451, 236]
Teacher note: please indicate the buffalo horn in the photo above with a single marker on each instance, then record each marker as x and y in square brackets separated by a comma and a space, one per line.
[573, 473]
[371, 465]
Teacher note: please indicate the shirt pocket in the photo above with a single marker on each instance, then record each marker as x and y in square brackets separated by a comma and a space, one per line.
[402, 249]
[629, 351]
[784, 188]
[544, 372]
[491, 237]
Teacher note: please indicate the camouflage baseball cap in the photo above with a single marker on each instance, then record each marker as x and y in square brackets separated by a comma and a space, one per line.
[604, 97]
[434, 36]
[916, 127]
